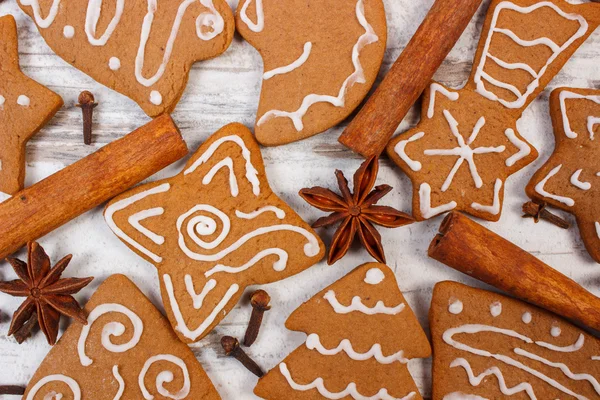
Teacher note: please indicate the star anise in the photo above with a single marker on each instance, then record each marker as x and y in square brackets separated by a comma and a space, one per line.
[47, 296]
[358, 212]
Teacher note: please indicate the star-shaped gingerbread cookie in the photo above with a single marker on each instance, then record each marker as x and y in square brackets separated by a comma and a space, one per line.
[570, 179]
[25, 107]
[467, 143]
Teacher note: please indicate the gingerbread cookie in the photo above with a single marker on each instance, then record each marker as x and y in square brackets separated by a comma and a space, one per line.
[320, 60]
[127, 350]
[140, 49]
[489, 346]
[25, 107]
[212, 230]
[467, 143]
[570, 179]
[361, 333]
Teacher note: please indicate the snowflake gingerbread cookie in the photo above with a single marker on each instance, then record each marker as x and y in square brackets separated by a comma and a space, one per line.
[361, 334]
[320, 60]
[467, 143]
[570, 179]
[127, 350]
[489, 346]
[25, 107]
[142, 49]
[212, 230]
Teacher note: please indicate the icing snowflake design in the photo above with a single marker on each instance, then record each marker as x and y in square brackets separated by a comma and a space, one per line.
[502, 85]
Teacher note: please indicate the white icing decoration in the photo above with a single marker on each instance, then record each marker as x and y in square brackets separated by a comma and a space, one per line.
[526, 317]
[2, 100]
[578, 345]
[291, 67]
[524, 149]
[198, 299]
[349, 391]
[251, 172]
[212, 19]
[121, 382]
[181, 325]
[357, 76]
[313, 342]
[476, 328]
[476, 380]
[279, 213]
[480, 75]
[135, 219]
[374, 276]
[69, 32]
[566, 95]
[464, 151]
[227, 162]
[595, 358]
[37, 12]
[110, 329]
[575, 181]
[434, 88]
[260, 16]
[23, 101]
[165, 377]
[539, 188]
[156, 98]
[455, 307]
[56, 378]
[494, 209]
[357, 305]
[278, 265]
[462, 396]
[400, 149]
[425, 201]
[598, 229]
[114, 64]
[555, 331]
[203, 225]
[93, 16]
[123, 204]
[496, 309]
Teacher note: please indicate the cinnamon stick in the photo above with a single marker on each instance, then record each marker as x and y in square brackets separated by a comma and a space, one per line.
[470, 248]
[372, 128]
[88, 183]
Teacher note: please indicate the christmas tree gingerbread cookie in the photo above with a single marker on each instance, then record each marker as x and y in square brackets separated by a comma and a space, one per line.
[212, 230]
[320, 60]
[361, 333]
[127, 350]
[142, 49]
[467, 143]
[25, 107]
[570, 179]
[489, 346]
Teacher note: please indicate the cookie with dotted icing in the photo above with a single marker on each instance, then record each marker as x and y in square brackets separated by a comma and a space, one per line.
[320, 60]
[212, 230]
[570, 179]
[127, 350]
[142, 49]
[361, 335]
[25, 107]
[498, 347]
[467, 143]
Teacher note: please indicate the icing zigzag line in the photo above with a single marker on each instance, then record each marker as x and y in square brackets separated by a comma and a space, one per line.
[357, 305]
[313, 342]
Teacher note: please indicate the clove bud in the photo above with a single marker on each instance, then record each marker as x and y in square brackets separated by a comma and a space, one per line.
[12, 389]
[260, 303]
[87, 104]
[539, 211]
[232, 349]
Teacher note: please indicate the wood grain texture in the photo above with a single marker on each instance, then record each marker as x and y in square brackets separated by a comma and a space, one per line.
[370, 131]
[468, 247]
[225, 90]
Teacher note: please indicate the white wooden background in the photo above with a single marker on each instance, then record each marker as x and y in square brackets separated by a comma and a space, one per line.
[226, 90]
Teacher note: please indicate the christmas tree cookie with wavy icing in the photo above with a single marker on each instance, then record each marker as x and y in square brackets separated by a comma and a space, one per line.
[361, 335]
[25, 107]
[212, 230]
[467, 143]
[320, 60]
[142, 49]
[570, 179]
[490, 346]
[127, 350]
